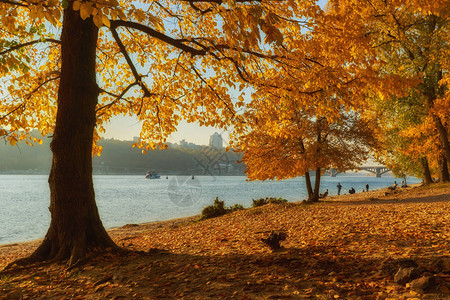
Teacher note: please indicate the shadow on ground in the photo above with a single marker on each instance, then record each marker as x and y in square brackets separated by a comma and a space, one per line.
[289, 274]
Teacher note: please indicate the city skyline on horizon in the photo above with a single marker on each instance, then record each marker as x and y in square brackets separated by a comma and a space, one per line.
[126, 128]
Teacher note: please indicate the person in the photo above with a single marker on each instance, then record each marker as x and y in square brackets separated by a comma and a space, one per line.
[324, 194]
[367, 187]
[395, 185]
[339, 187]
[351, 191]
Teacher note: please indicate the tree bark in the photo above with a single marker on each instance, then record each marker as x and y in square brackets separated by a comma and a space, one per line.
[443, 133]
[431, 90]
[313, 195]
[75, 222]
[426, 176]
[443, 169]
[308, 185]
[316, 186]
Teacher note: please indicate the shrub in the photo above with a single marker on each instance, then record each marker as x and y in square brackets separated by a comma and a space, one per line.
[236, 207]
[263, 201]
[277, 200]
[211, 211]
[218, 209]
[259, 202]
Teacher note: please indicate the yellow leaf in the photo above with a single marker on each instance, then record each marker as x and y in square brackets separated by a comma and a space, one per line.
[76, 5]
[84, 12]
[106, 21]
[98, 21]
[13, 141]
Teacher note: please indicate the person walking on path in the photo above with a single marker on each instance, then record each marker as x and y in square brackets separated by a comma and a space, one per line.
[367, 187]
[339, 187]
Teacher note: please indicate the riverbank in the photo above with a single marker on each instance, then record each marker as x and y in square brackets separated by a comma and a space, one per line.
[347, 247]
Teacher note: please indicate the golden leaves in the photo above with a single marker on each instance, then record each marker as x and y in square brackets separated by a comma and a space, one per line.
[100, 11]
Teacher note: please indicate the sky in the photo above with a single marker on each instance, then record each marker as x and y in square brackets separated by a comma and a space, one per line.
[126, 128]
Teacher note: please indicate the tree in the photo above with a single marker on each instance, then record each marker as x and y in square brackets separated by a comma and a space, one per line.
[288, 140]
[403, 144]
[411, 38]
[186, 73]
[305, 113]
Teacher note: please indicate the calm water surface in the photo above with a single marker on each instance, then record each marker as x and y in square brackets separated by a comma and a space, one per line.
[124, 199]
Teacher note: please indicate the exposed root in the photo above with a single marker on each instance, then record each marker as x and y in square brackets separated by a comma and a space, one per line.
[21, 263]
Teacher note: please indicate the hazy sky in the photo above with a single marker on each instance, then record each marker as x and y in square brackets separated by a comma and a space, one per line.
[125, 128]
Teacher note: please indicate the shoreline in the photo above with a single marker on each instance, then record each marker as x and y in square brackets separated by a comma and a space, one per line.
[358, 196]
[130, 231]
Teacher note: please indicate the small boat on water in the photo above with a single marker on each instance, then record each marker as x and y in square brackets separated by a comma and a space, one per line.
[152, 175]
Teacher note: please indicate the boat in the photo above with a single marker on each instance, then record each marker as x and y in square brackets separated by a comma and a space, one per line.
[152, 175]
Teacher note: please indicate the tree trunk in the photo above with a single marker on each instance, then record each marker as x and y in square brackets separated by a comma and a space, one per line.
[426, 176]
[313, 195]
[443, 169]
[308, 185]
[75, 222]
[432, 91]
[316, 186]
[443, 133]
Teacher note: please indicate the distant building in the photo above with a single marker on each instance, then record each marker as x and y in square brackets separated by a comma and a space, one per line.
[216, 141]
[185, 144]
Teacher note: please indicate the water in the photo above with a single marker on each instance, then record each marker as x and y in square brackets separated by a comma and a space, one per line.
[124, 199]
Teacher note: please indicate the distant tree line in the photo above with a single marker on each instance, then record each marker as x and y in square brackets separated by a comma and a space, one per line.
[119, 157]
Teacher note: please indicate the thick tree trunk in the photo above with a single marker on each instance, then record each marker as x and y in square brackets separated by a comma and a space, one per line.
[426, 176]
[432, 90]
[75, 223]
[443, 169]
[443, 133]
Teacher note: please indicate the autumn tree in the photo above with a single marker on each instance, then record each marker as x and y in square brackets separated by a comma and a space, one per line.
[395, 118]
[305, 113]
[286, 139]
[163, 61]
[411, 39]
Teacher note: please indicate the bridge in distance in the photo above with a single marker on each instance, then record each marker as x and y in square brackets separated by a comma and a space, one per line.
[377, 170]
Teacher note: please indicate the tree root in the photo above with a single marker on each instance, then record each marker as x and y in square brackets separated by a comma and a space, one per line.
[20, 264]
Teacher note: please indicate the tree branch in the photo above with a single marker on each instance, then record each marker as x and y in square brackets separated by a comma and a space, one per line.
[136, 75]
[13, 3]
[156, 34]
[28, 44]
[27, 97]
[212, 89]
[118, 97]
